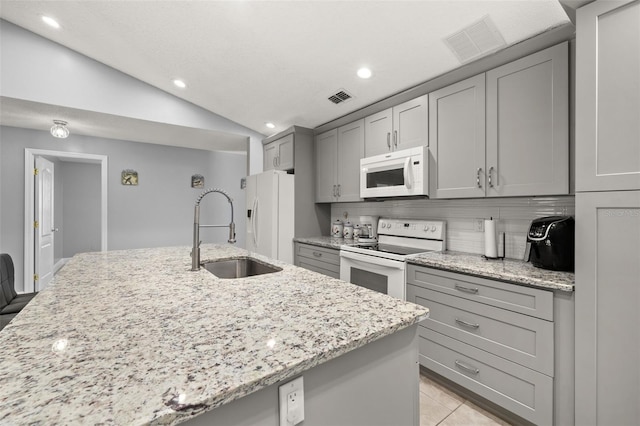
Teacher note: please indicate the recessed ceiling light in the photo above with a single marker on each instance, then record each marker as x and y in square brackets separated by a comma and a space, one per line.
[364, 72]
[181, 84]
[50, 21]
[270, 125]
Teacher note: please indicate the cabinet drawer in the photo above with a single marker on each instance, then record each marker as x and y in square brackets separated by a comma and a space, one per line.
[319, 253]
[518, 389]
[525, 340]
[513, 297]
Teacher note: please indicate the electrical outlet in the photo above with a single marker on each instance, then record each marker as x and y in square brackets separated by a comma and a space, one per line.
[479, 225]
[291, 402]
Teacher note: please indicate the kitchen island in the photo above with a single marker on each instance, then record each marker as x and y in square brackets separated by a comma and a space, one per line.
[135, 337]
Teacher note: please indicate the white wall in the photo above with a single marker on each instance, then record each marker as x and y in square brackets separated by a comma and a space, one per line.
[157, 212]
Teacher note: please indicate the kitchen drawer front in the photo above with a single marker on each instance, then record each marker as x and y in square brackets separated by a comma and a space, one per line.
[319, 253]
[518, 389]
[321, 267]
[525, 340]
[525, 300]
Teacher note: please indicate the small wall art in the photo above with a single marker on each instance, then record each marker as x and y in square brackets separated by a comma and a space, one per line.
[129, 177]
[197, 181]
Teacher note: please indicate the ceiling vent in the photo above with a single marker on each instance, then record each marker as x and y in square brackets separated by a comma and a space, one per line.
[340, 96]
[476, 40]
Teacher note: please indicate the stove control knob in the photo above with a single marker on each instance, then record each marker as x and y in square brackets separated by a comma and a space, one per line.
[426, 228]
[433, 228]
[383, 225]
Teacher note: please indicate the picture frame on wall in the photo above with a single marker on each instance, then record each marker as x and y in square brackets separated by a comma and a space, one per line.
[129, 177]
[197, 181]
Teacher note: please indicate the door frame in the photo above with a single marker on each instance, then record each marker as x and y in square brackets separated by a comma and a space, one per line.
[29, 194]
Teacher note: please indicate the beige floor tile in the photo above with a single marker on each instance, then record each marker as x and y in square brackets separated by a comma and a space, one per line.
[431, 411]
[440, 394]
[469, 414]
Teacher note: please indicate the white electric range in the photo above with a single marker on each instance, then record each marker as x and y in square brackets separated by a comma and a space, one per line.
[380, 265]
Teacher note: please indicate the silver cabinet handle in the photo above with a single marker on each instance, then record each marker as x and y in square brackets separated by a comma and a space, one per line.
[339, 190]
[317, 254]
[490, 171]
[466, 289]
[478, 177]
[467, 324]
[274, 161]
[335, 194]
[467, 368]
[395, 138]
[388, 140]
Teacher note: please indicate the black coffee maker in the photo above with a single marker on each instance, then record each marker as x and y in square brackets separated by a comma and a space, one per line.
[551, 243]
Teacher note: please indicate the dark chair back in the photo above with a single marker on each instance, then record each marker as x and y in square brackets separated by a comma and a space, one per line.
[8, 292]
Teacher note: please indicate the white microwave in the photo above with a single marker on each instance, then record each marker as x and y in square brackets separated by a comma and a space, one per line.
[396, 174]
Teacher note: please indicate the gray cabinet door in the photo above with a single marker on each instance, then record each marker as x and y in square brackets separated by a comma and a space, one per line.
[411, 124]
[607, 315]
[528, 125]
[269, 156]
[350, 151]
[457, 139]
[378, 132]
[608, 96]
[285, 153]
[326, 162]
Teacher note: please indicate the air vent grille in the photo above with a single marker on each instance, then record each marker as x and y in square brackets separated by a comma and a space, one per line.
[476, 40]
[340, 96]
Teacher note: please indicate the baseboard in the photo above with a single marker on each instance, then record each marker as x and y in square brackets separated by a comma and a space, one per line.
[59, 264]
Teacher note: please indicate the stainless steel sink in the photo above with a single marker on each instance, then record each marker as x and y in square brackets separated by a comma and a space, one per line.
[239, 268]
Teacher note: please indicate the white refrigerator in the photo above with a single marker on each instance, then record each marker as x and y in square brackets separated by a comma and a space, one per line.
[270, 214]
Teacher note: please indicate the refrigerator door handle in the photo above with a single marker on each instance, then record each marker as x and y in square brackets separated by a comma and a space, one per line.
[254, 219]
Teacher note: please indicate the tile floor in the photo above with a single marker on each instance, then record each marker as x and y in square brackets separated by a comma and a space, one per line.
[440, 406]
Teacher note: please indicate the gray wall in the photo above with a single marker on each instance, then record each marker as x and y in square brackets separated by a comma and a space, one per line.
[78, 215]
[157, 212]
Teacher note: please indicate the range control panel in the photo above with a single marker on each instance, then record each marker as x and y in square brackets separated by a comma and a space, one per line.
[413, 228]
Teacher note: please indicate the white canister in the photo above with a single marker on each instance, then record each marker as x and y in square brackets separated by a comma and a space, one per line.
[347, 232]
[336, 229]
[357, 230]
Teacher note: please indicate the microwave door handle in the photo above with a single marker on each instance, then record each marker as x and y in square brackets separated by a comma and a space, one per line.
[407, 173]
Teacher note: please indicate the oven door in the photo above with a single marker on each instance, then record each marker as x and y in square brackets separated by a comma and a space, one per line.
[374, 273]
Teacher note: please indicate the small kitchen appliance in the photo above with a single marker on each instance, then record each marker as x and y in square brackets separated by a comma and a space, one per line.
[551, 241]
[379, 265]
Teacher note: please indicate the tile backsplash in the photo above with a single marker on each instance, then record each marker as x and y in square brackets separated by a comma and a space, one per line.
[514, 215]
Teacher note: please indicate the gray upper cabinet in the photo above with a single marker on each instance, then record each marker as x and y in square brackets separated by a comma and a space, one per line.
[401, 127]
[608, 96]
[528, 125]
[279, 154]
[338, 154]
[457, 139]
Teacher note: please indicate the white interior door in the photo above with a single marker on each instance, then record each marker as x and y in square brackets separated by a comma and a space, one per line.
[44, 228]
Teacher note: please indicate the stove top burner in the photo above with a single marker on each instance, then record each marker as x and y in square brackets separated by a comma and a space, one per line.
[388, 248]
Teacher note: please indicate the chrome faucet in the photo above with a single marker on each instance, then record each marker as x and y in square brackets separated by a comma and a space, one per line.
[195, 253]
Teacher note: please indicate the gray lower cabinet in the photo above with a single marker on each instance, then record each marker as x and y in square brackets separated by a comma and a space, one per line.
[319, 259]
[493, 338]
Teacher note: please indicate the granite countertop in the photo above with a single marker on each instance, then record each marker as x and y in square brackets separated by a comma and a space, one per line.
[135, 337]
[511, 270]
[324, 241]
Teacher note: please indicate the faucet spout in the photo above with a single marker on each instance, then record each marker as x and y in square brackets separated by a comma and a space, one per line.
[195, 252]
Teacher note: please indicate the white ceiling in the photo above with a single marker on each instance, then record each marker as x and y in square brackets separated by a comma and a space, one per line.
[279, 61]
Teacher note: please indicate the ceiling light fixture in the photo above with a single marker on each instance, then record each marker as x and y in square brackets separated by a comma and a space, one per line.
[51, 22]
[59, 129]
[270, 125]
[181, 84]
[364, 72]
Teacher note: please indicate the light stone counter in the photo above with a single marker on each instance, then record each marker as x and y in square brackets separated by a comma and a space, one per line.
[511, 270]
[135, 337]
[325, 241]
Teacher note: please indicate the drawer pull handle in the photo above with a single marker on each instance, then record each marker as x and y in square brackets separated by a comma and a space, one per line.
[465, 367]
[467, 324]
[466, 289]
[316, 254]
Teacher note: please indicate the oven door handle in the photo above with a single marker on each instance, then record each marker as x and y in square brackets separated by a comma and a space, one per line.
[372, 262]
